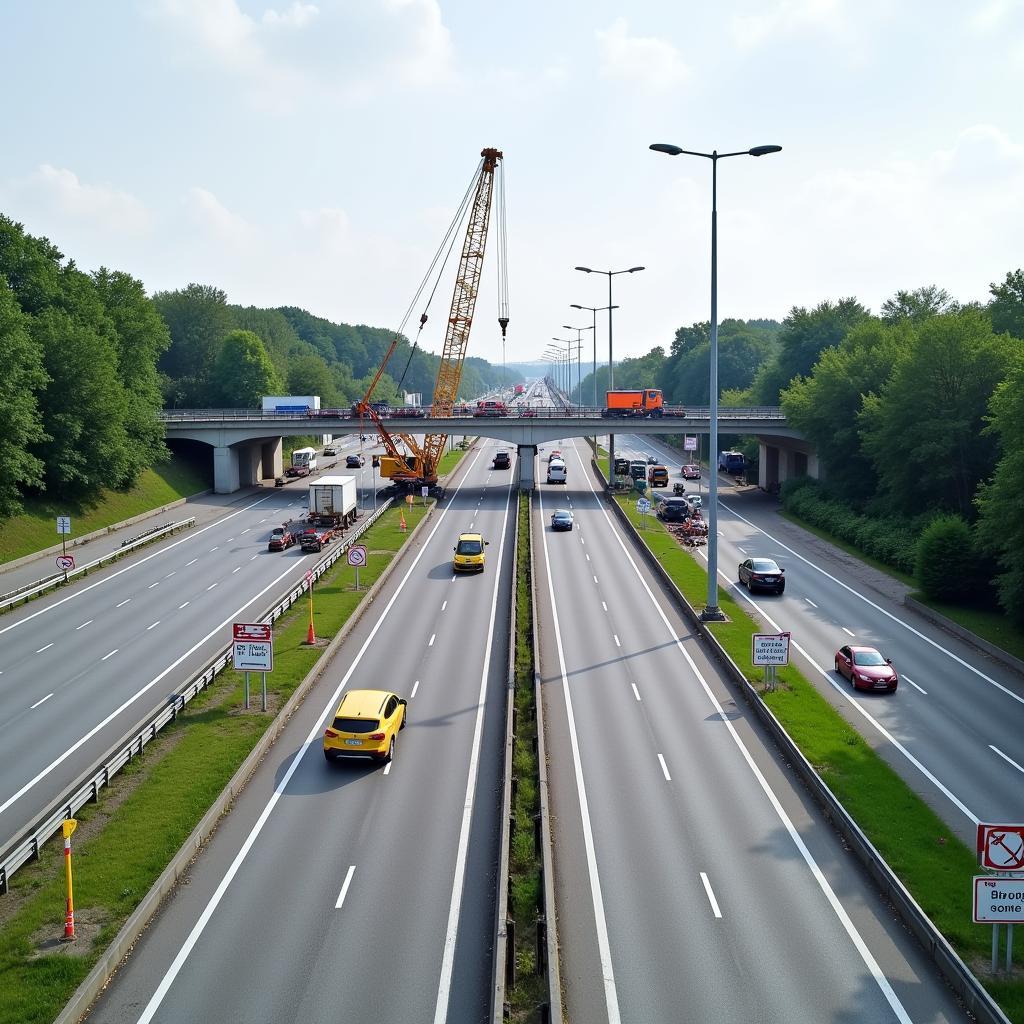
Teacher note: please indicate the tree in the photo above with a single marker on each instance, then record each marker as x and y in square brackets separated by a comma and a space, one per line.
[946, 565]
[20, 420]
[243, 373]
[923, 431]
[198, 319]
[1007, 305]
[804, 336]
[1000, 524]
[918, 305]
[310, 375]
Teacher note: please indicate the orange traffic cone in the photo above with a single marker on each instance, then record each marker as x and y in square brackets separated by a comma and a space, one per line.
[310, 635]
[401, 521]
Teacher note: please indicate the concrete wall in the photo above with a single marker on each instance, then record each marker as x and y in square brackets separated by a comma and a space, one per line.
[527, 467]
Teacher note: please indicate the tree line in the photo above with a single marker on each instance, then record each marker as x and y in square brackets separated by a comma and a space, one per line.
[90, 360]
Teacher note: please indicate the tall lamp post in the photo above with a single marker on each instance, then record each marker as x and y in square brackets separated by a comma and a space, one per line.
[567, 364]
[595, 310]
[579, 349]
[712, 611]
[611, 372]
[557, 354]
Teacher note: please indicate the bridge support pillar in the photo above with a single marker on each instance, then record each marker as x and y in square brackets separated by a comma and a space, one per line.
[527, 460]
[272, 458]
[225, 470]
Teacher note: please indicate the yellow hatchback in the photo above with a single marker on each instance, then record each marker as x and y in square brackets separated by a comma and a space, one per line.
[469, 553]
[365, 725]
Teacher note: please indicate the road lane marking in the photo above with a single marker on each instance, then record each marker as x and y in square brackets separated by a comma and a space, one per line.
[415, 687]
[193, 562]
[214, 548]
[152, 585]
[345, 885]
[254, 557]
[88, 622]
[47, 697]
[111, 654]
[636, 692]
[170, 574]
[907, 679]
[246, 530]
[711, 895]
[846, 631]
[444, 604]
[1009, 760]
[185, 605]
[236, 568]
[595, 579]
[616, 639]
[742, 551]
[152, 624]
[123, 603]
[211, 586]
[430, 642]
[588, 558]
[810, 602]
[664, 768]
[46, 648]
[604, 606]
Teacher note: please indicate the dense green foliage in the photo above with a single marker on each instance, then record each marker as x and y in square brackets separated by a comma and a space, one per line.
[945, 558]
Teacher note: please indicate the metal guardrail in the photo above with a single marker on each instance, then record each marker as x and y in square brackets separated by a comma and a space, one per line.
[58, 579]
[86, 788]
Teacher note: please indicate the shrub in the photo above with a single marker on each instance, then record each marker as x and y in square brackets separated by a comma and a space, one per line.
[946, 564]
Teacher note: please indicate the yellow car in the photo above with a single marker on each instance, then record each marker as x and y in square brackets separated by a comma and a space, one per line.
[469, 553]
[365, 725]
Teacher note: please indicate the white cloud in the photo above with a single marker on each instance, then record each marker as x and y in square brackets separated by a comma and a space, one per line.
[651, 63]
[214, 219]
[788, 18]
[991, 15]
[297, 16]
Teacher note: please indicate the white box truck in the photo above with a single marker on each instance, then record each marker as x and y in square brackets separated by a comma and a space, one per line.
[291, 403]
[334, 496]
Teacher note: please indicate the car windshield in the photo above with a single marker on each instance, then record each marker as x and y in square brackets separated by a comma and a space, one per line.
[764, 565]
[867, 658]
[356, 724]
[469, 547]
[563, 515]
[278, 531]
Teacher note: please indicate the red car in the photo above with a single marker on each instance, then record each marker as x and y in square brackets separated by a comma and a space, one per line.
[691, 472]
[282, 537]
[866, 669]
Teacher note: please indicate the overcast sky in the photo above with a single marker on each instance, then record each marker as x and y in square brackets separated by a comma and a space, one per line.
[313, 153]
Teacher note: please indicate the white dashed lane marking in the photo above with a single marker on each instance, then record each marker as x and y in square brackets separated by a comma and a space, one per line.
[32, 707]
[46, 648]
[83, 625]
[1008, 760]
[664, 768]
[124, 602]
[907, 679]
[636, 692]
[430, 642]
[846, 631]
[711, 895]
[415, 687]
[344, 888]
[185, 605]
[110, 655]
[152, 625]
[810, 602]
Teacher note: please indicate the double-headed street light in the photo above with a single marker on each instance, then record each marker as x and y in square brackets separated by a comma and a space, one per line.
[611, 371]
[594, 310]
[712, 611]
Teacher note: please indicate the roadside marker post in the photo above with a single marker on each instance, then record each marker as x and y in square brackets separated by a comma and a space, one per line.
[68, 827]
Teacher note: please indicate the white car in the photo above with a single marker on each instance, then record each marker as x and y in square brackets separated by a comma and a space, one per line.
[330, 450]
[694, 500]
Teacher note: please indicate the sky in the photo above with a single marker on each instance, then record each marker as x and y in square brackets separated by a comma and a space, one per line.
[314, 153]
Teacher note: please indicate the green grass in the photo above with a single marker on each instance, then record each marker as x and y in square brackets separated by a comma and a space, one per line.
[930, 860]
[170, 789]
[36, 527]
[530, 988]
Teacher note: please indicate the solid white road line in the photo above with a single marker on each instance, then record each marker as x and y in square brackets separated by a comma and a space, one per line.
[847, 631]
[88, 622]
[122, 603]
[636, 692]
[1008, 760]
[711, 895]
[46, 648]
[111, 654]
[664, 768]
[907, 679]
[38, 702]
[345, 885]
[312, 738]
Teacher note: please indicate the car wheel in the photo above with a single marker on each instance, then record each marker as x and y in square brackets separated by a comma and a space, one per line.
[838, 670]
[781, 590]
[390, 755]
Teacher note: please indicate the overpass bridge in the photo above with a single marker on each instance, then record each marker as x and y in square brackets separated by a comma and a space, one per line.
[247, 443]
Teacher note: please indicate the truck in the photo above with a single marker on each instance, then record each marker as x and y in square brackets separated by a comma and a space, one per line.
[306, 404]
[303, 462]
[647, 403]
[731, 462]
[334, 497]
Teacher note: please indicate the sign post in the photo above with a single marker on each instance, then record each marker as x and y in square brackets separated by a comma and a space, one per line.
[63, 528]
[999, 899]
[253, 651]
[424, 491]
[357, 558]
[770, 650]
[643, 506]
[68, 827]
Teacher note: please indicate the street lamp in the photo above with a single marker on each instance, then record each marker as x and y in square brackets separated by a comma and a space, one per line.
[567, 357]
[611, 371]
[595, 310]
[712, 611]
[579, 349]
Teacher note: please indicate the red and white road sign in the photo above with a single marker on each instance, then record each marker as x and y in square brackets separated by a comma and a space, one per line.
[251, 631]
[357, 555]
[65, 562]
[998, 900]
[1001, 847]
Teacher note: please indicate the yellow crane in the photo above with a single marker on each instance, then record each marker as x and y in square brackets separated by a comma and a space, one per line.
[418, 468]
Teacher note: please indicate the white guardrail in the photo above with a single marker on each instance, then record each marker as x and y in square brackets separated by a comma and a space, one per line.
[60, 578]
[87, 787]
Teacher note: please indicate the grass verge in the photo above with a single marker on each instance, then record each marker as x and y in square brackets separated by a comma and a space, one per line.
[934, 865]
[124, 842]
[529, 987]
[35, 528]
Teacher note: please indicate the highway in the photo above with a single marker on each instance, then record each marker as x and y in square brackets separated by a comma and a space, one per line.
[341, 892]
[951, 729]
[695, 881]
[81, 666]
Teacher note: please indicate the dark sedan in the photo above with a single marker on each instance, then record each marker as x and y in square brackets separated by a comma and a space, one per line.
[561, 519]
[762, 574]
[672, 510]
[354, 461]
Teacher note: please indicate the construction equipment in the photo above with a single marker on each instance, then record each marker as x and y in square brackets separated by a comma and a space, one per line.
[417, 467]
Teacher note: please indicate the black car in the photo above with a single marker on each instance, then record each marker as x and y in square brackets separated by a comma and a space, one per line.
[762, 574]
[561, 519]
[354, 461]
[672, 510]
[502, 460]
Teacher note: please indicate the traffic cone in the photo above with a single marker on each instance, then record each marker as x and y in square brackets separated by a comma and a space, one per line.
[401, 521]
[310, 635]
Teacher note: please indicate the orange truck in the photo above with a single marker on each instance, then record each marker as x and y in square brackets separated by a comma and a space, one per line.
[647, 402]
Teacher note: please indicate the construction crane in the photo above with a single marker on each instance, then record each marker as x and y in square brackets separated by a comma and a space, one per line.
[418, 467]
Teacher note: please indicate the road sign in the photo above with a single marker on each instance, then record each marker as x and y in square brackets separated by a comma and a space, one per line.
[65, 562]
[998, 900]
[357, 555]
[1001, 847]
[251, 631]
[689, 443]
[63, 524]
[770, 648]
[424, 492]
[643, 505]
[309, 575]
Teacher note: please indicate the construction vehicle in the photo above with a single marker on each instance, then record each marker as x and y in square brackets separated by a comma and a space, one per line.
[416, 466]
[645, 402]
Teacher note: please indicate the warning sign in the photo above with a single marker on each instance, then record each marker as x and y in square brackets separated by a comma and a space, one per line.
[1001, 847]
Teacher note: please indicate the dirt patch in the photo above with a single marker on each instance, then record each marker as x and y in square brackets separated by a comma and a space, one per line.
[255, 707]
[49, 940]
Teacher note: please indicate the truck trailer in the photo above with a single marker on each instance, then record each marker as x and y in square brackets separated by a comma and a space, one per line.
[291, 403]
[334, 496]
[646, 402]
